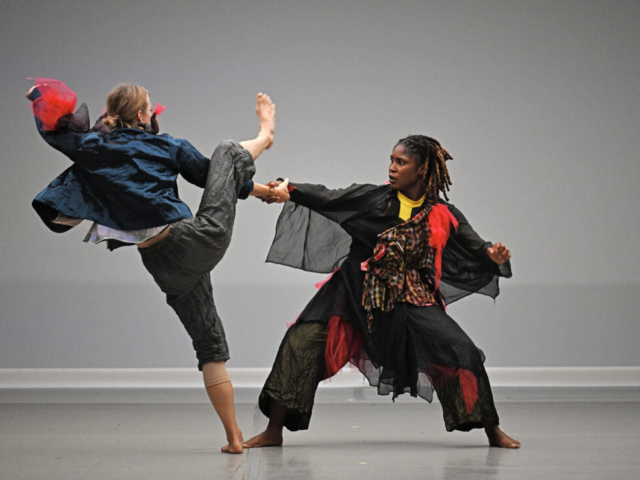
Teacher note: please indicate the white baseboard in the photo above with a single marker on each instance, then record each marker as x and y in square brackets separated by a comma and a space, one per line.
[252, 378]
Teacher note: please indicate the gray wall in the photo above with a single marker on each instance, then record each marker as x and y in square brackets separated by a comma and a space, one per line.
[537, 101]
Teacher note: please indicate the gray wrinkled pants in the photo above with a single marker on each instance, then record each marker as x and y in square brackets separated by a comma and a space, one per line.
[181, 263]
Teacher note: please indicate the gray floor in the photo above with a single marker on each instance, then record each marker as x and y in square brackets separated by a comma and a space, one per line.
[359, 439]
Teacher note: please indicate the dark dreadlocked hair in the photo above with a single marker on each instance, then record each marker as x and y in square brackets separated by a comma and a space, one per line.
[428, 150]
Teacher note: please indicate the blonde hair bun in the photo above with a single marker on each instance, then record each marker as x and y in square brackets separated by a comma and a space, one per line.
[123, 104]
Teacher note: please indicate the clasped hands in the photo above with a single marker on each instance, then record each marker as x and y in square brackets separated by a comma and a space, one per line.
[278, 191]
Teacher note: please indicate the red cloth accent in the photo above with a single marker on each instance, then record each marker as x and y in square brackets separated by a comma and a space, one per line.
[344, 344]
[56, 100]
[440, 220]
[468, 382]
[380, 254]
[469, 388]
[291, 188]
[322, 282]
[159, 109]
[364, 266]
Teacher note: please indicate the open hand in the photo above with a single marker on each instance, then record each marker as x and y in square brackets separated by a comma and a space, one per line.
[499, 253]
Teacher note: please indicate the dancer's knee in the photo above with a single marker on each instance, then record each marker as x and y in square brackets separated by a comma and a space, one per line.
[303, 345]
[305, 335]
[227, 147]
[215, 373]
[215, 230]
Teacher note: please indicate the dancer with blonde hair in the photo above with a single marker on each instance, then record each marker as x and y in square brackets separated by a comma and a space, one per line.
[123, 179]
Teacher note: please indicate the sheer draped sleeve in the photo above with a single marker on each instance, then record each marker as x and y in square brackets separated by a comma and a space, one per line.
[308, 232]
[466, 267]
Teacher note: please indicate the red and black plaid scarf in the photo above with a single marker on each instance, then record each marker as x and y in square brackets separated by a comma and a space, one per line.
[393, 272]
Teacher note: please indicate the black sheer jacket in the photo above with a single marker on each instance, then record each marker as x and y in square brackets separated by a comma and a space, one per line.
[319, 229]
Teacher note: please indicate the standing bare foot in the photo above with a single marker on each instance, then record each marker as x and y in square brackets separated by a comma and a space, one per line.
[266, 111]
[268, 438]
[497, 438]
[235, 443]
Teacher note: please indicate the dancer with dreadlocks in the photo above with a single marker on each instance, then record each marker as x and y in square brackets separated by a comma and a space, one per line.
[398, 254]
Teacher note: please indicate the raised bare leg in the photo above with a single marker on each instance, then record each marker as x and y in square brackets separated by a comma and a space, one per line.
[220, 393]
[497, 438]
[272, 436]
[266, 111]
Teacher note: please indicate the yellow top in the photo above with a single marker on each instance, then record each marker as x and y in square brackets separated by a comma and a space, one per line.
[407, 205]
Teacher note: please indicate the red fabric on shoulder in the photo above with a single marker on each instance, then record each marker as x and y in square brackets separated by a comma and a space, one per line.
[440, 220]
[56, 100]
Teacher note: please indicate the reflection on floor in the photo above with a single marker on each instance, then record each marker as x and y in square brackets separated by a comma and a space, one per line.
[405, 440]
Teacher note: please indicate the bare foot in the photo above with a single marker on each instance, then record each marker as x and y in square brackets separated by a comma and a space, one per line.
[266, 111]
[497, 438]
[265, 439]
[235, 443]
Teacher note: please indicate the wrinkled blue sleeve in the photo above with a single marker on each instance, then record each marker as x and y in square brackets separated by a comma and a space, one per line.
[193, 166]
[247, 188]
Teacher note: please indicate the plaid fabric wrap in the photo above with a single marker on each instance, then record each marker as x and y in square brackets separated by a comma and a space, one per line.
[393, 272]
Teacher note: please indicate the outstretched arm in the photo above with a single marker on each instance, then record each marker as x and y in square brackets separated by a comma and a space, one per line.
[467, 237]
[69, 129]
[273, 192]
[499, 253]
[465, 241]
[471, 264]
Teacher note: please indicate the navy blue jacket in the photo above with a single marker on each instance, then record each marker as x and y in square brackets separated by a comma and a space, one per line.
[124, 179]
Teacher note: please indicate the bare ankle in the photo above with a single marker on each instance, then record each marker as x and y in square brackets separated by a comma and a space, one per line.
[266, 137]
[490, 425]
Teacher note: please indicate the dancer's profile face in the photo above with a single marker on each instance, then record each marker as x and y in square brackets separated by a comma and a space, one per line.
[404, 170]
[145, 115]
